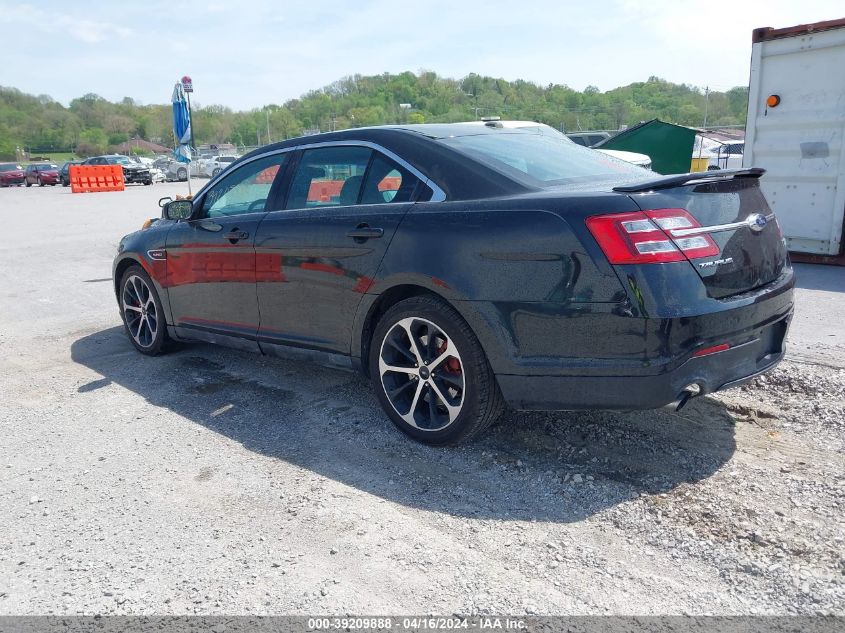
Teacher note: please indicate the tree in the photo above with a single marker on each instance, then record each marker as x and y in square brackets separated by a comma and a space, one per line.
[92, 141]
[360, 100]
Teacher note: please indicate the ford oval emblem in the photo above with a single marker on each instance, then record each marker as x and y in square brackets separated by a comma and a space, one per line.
[757, 222]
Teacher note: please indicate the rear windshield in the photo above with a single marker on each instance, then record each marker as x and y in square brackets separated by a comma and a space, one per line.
[541, 161]
[10, 167]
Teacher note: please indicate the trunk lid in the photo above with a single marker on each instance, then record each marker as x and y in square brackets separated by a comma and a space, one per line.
[732, 211]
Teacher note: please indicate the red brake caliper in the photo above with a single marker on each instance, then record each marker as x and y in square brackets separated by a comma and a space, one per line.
[452, 364]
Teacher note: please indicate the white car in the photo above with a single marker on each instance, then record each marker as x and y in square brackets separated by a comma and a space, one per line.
[641, 160]
[212, 166]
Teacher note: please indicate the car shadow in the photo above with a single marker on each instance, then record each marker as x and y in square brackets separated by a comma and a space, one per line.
[559, 467]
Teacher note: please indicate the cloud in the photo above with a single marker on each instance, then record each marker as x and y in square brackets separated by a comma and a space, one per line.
[82, 29]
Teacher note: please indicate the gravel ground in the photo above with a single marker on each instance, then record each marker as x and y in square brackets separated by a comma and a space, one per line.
[211, 481]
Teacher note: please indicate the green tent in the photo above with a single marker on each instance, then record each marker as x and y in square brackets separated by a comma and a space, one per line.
[668, 145]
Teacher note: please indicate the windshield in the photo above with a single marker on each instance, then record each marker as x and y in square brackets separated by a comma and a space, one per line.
[226, 159]
[46, 167]
[539, 160]
[10, 167]
[119, 160]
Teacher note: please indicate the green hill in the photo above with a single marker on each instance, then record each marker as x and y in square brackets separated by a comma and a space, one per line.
[90, 124]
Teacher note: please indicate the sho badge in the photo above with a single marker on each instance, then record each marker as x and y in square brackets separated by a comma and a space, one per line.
[716, 262]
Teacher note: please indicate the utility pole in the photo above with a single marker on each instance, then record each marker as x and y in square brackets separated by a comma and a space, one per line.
[267, 112]
[188, 87]
[704, 127]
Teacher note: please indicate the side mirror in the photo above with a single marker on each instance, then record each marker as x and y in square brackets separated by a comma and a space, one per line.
[178, 210]
[164, 201]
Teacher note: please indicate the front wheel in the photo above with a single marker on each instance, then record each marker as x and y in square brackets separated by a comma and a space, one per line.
[431, 375]
[182, 174]
[143, 316]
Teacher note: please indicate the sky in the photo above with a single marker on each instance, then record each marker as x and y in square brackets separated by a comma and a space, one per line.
[245, 54]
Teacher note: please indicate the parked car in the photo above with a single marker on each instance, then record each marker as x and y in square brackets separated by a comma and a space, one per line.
[156, 174]
[11, 174]
[42, 174]
[172, 169]
[132, 171]
[641, 160]
[464, 267]
[217, 164]
[64, 172]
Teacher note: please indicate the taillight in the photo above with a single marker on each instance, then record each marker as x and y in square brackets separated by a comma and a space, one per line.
[644, 237]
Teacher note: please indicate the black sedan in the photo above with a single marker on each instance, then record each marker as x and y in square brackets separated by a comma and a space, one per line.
[132, 171]
[64, 172]
[464, 267]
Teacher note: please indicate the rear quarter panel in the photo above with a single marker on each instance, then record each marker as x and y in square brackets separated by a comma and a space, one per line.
[523, 272]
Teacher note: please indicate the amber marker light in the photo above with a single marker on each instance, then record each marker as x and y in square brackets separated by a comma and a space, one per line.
[773, 101]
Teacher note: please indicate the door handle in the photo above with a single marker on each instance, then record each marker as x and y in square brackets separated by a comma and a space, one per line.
[235, 235]
[365, 232]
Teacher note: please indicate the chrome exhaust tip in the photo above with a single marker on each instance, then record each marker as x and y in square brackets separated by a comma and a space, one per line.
[690, 391]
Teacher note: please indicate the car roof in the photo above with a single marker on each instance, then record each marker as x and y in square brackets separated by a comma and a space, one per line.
[459, 175]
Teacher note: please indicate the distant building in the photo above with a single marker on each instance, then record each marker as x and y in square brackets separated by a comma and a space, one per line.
[142, 145]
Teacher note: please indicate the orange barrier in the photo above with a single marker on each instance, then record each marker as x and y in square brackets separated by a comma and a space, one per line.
[390, 183]
[324, 190]
[92, 178]
[266, 176]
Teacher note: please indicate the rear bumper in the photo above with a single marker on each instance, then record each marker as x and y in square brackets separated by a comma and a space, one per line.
[720, 371]
[756, 334]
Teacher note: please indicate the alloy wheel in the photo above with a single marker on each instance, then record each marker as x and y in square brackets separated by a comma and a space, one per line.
[139, 311]
[422, 374]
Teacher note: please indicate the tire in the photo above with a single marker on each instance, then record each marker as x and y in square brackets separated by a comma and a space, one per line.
[40, 183]
[138, 300]
[148, 182]
[438, 403]
[182, 174]
[28, 184]
[216, 172]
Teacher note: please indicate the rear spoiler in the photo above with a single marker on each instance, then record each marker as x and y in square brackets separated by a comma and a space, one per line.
[677, 180]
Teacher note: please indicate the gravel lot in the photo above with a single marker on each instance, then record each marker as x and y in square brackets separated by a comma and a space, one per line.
[212, 481]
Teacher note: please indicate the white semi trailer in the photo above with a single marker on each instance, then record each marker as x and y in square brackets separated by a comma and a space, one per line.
[796, 131]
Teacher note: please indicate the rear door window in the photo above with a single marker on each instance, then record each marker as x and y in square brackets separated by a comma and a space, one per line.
[328, 177]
